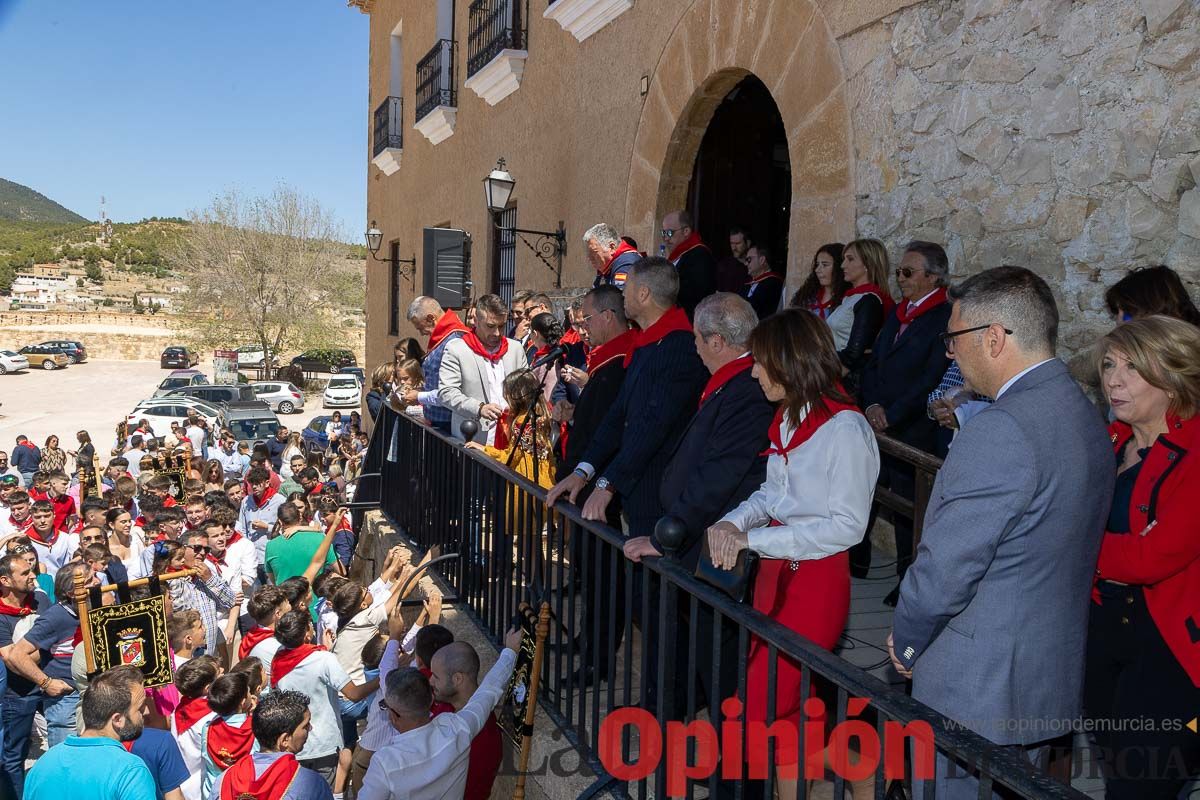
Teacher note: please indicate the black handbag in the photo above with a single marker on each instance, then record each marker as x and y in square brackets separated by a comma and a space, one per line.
[738, 582]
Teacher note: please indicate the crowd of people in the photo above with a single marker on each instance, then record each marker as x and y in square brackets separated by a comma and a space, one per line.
[291, 679]
[1057, 568]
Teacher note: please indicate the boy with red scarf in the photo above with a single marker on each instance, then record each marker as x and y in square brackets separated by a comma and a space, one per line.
[266, 607]
[281, 723]
[259, 510]
[228, 736]
[64, 506]
[54, 548]
[18, 520]
[194, 680]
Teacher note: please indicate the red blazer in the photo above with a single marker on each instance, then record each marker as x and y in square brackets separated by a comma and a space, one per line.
[1166, 561]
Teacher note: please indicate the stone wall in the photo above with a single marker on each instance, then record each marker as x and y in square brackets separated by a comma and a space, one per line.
[1060, 135]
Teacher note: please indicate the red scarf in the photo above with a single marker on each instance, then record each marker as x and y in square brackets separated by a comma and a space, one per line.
[287, 660]
[226, 744]
[218, 560]
[33, 536]
[472, 341]
[37, 494]
[241, 784]
[870, 288]
[690, 243]
[22, 527]
[725, 374]
[252, 638]
[233, 539]
[502, 427]
[674, 320]
[28, 444]
[617, 347]
[763, 277]
[907, 312]
[622, 248]
[448, 324]
[189, 712]
[259, 502]
[23, 610]
[169, 502]
[571, 337]
[813, 420]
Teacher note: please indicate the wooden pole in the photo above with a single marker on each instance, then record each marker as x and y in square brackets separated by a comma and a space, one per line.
[96, 471]
[535, 679]
[85, 625]
[139, 582]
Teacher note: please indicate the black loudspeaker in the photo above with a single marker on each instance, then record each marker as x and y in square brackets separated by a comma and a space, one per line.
[447, 266]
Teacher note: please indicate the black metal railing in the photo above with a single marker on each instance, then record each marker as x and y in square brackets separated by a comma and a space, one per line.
[496, 25]
[690, 651]
[435, 78]
[389, 126]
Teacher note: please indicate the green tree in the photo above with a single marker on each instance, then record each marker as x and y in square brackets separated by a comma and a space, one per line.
[108, 302]
[94, 273]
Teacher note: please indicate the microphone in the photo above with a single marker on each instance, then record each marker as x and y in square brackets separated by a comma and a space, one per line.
[556, 352]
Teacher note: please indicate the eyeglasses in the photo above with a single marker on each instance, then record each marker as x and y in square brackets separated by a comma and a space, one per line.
[908, 273]
[669, 233]
[199, 549]
[383, 706]
[948, 336]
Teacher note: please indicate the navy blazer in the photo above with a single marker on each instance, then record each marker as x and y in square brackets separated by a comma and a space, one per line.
[903, 371]
[640, 431]
[719, 462]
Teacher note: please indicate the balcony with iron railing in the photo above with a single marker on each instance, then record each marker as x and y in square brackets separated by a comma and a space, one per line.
[497, 48]
[582, 18]
[387, 141]
[437, 97]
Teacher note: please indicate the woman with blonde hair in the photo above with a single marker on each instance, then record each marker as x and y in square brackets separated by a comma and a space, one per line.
[1142, 661]
[856, 321]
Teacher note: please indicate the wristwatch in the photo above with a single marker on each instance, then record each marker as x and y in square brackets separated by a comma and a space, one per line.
[602, 484]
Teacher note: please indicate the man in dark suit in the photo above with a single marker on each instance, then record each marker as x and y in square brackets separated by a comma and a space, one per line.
[992, 618]
[907, 363]
[628, 453]
[765, 287]
[696, 264]
[718, 463]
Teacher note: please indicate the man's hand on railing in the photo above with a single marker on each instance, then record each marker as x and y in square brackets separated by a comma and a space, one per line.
[877, 417]
[640, 547]
[571, 486]
[896, 665]
[596, 506]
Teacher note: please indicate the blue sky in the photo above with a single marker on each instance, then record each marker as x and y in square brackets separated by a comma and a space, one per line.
[160, 106]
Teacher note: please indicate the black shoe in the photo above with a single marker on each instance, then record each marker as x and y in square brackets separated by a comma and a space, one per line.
[892, 598]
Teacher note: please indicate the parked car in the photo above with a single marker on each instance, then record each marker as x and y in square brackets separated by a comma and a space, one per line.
[12, 362]
[252, 355]
[313, 436]
[357, 372]
[180, 378]
[250, 422]
[40, 355]
[283, 397]
[330, 361]
[178, 357]
[343, 391]
[76, 352]
[217, 394]
[161, 413]
[202, 406]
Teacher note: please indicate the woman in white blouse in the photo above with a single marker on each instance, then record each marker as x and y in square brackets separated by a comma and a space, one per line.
[821, 471]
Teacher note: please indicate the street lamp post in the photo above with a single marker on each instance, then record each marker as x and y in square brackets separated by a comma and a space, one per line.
[498, 188]
[375, 240]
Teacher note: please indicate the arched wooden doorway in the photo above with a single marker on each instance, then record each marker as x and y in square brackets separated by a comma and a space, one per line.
[743, 174]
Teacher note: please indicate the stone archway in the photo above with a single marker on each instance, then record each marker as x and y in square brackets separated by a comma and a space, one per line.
[787, 44]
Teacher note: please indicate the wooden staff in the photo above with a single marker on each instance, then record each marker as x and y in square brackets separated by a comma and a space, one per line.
[535, 675]
[81, 607]
[96, 472]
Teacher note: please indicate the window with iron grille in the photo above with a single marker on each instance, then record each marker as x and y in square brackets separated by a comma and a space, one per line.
[435, 78]
[504, 255]
[394, 290]
[496, 25]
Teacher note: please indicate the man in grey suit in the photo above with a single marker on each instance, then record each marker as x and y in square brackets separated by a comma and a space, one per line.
[474, 367]
[991, 623]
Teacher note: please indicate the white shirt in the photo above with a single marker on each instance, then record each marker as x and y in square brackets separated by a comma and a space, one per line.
[135, 462]
[189, 747]
[841, 321]
[53, 556]
[1018, 377]
[822, 493]
[362, 628]
[196, 437]
[493, 372]
[264, 651]
[379, 732]
[321, 677]
[430, 763]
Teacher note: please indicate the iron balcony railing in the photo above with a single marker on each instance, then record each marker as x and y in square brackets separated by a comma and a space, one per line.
[690, 655]
[435, 78]
[389, 126]
[496, 25]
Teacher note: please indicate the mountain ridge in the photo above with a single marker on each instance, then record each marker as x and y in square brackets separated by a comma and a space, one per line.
[21, 203]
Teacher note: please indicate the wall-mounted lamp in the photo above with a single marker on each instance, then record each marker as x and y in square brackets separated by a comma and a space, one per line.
[375, 240]
[498, 188]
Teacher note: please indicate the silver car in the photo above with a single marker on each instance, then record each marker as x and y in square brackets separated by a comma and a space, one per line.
[281, 396]
[12, 362]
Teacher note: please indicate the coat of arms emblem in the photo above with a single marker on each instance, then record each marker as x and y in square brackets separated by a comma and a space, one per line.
[131, 647]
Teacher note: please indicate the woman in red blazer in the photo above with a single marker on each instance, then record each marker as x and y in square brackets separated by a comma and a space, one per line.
[1143, 663]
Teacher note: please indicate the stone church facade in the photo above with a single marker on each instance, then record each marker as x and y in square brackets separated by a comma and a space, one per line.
[1063, 135]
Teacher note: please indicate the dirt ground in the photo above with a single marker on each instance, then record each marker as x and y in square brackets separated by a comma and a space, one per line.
[93, 396]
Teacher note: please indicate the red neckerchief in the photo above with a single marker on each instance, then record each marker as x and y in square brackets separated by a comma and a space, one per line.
[252, 638]
[541, 351]
[725, 374]
[870, 288]
[317, 489]
[287, 659]
[907, 312]
[690, 243]
[33, 535]
[819, 307]
[38, 494]
[813, 420]
[22, 527]
[218, 560]
[240, 782]
[674, 320]
[169, 502]
[226, 744]
[622, 248]
[448, 324]
[234, 538]
[618, 347]
[190, 711]
[472, 341]
[23, 610]
[259, 502]
[28, 444]
[763, 277]
[502, 428]
[571, 337]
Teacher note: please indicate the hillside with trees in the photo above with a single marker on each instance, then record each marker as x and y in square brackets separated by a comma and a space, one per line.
[22, 204]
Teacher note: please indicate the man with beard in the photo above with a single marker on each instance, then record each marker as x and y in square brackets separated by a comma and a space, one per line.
[96, 765]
